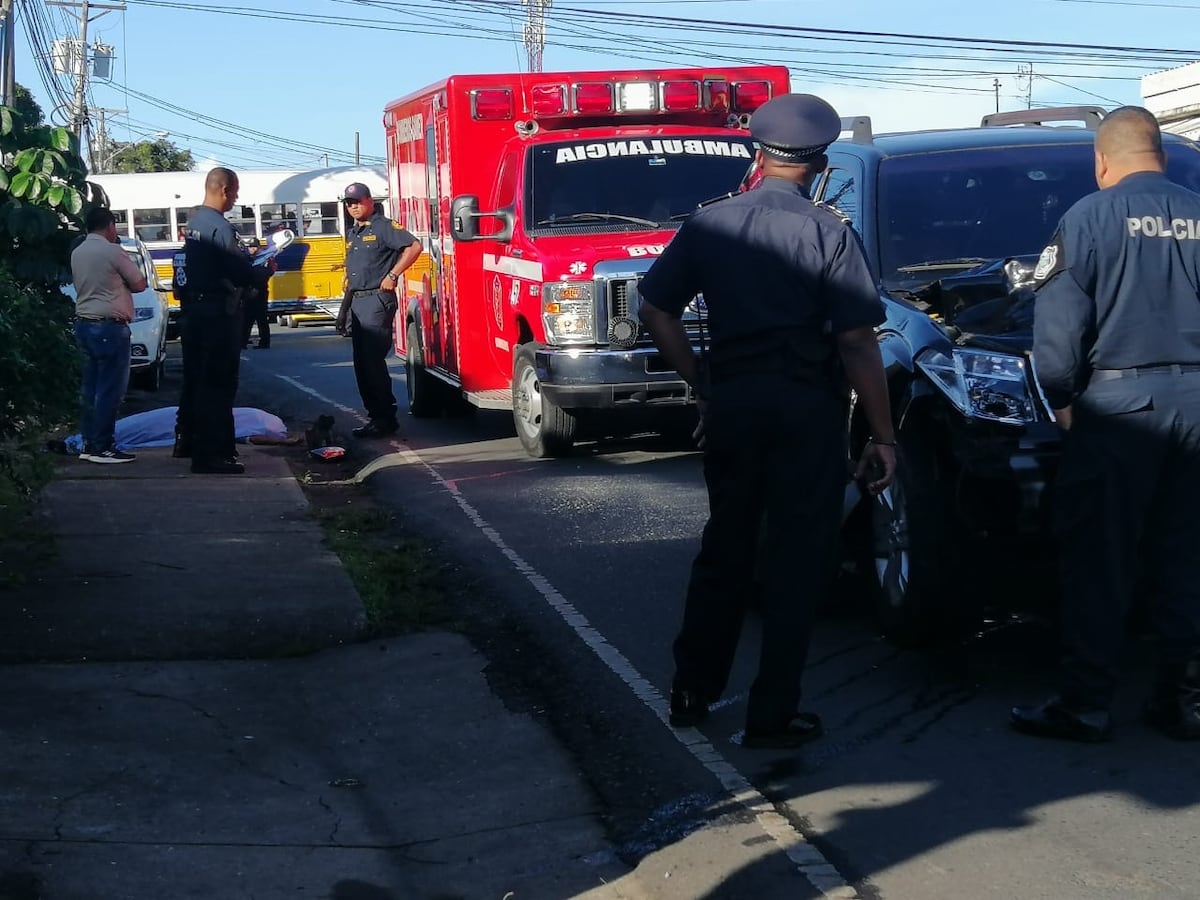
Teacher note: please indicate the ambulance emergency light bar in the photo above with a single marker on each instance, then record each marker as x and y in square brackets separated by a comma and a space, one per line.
[593, 98]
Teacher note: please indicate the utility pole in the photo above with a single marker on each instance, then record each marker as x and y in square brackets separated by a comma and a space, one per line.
[79, 112]
[8, 79]
[996, 87]
[1025, 70]
[357, 158]
[103, 143]
[535, 32]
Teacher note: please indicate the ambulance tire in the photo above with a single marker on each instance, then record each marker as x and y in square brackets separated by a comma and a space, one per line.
[544, 428]
[426, 395]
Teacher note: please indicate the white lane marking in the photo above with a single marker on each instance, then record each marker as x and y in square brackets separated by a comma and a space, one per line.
[810, 862]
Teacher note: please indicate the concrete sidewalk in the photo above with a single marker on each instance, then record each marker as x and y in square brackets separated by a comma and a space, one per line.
[160, 738]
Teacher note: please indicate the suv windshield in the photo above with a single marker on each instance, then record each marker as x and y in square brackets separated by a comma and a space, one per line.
[630, 183]
[947, 211]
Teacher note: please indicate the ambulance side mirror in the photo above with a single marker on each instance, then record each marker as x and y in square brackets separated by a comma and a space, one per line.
[465, 216]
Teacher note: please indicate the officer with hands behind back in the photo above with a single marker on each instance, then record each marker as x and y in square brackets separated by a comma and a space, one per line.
[792, 308]
[378, 251]
[1117, 351]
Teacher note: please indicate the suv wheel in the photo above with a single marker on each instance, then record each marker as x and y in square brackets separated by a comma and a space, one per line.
[914, 553]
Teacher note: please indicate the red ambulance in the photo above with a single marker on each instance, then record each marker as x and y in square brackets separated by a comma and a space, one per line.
[541, 198]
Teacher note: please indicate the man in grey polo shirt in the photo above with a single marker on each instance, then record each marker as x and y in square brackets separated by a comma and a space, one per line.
[105, 277]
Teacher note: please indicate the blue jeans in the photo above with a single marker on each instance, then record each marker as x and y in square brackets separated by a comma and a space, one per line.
[105, 347]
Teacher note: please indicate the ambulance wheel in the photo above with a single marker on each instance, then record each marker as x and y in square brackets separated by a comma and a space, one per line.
[543, 428]
[425, 393]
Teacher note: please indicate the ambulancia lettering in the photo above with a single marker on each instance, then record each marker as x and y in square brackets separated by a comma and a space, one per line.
[1160, 227]
[409, 129]
[657, 147]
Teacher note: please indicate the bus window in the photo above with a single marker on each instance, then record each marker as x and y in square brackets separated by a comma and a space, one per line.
[122, 217]
[242, 218]
[321, 218]
[152, 224]
[277, 216]
[181, 219]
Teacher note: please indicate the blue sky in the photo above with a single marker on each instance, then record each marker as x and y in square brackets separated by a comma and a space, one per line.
[308, 74]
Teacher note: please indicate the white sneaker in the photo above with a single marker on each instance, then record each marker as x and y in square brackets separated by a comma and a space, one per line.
[111, 456]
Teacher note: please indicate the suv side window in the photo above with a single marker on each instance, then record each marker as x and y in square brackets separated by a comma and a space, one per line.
[840, 190]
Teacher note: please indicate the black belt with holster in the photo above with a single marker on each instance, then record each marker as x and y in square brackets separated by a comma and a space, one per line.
[1143, 371]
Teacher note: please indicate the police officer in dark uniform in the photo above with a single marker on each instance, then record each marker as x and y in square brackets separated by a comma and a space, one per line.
[212, 271]
[1117, 351]
[791, 310]
[378, 251]
[255, 302]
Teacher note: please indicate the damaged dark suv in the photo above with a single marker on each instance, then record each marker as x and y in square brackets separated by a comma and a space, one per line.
[953, 223]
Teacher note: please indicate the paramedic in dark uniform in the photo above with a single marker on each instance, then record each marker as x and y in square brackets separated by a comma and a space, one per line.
[211, 274]
[1117, 352]
[378, 251]
[791, 309]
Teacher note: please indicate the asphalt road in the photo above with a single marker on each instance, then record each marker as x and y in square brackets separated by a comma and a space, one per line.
[919, 790]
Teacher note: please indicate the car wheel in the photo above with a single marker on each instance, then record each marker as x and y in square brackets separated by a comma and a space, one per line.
[150, 377]
[544, 428]
[913, 550]
[426, 394]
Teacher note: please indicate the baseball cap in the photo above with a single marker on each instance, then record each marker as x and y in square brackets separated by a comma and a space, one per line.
[356, 191]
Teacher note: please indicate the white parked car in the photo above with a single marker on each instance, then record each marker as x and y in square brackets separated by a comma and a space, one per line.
[148, 331]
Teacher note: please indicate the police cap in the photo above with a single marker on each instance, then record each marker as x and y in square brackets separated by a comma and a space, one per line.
[795, 127]
[357, 191]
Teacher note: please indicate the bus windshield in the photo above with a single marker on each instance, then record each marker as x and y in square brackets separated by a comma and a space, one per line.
[628, 184]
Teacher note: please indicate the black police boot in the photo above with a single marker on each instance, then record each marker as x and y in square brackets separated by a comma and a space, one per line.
[217, 467]
[688, 708]
[183, 446]
[375, 429]
[1057, 718]
[1174, 707]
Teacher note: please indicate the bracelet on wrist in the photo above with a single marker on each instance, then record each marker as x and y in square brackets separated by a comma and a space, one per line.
[880, 443]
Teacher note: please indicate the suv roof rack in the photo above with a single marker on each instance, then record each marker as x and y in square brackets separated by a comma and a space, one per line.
[859, 128]
[1090, 116]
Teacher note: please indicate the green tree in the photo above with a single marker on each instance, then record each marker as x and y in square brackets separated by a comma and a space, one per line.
[147, 156]
[44, 195]
[27, 107]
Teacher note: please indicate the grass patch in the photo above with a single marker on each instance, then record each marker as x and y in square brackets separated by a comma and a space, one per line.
[400, 580]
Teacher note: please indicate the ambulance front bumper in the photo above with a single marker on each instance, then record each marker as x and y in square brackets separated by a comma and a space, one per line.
[605, 378]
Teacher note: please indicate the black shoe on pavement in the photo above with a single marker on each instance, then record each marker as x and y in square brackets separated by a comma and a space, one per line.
[375, 430]
[182, 449]
[688, 709]
[217, 467]
[111, 456]
[1055, 718]
[1174, 707]
[803, 728]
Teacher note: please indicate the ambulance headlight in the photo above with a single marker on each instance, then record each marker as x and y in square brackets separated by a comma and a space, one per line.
[569, 312]
[990, 386]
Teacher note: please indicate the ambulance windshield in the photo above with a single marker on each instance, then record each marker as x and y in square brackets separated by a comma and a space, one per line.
[629, 184]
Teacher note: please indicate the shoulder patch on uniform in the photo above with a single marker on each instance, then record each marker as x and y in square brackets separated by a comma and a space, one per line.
[397, 226]
[1050, 263]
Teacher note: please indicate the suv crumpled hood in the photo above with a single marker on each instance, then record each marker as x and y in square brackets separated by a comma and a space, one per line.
[989, 306]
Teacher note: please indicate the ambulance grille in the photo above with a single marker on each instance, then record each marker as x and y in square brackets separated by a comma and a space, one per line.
[622, 301]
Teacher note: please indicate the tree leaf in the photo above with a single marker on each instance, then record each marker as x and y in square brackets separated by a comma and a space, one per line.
[72, 201]
[25, 159]
[6, 119]
[55, 195]
[20, 184]
[54, 163]
[4, 181]
[61, 139]
[38, 185]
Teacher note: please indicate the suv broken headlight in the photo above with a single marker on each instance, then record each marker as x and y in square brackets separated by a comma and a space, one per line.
[990, 386]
